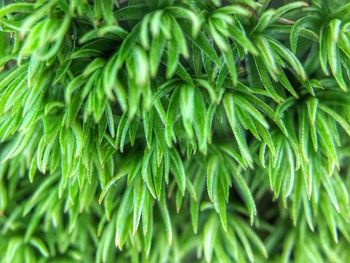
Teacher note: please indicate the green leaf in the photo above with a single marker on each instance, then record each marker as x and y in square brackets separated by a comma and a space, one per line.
[166, 218]
[146, 171]
[209, 237]
[121, 220]
[308, 213]
[326, 182]
[171, 117]
[16, 7]
[231, 65]
[312, 105]
[330, 220]
[237, 131]
[132, 11]
[295, 32]
[234, 10]
[187, 107]
[290, 58]
[304, 136]
[240, 37]
[204, 45]
[288, 245]
[337, 117]
[172, 58]
[220, 202]
[178, 170]
[155, 23]
[246, 194]
[267, 56]
[266, 81]
[3, 197]
[211, 176]
[288, 7]
[109, 185]
[323, 52]
[194, 208]
[245, 242]
[247, 107]
[264, 21]
[141, 66]
[254, 238]
[139, 198]
[326, 138]
[144, 34]
[219, 40]
[180, 12]
[40, 245]
[289, 181]
[156, 52]
[179, 38]
[200, 120]
[333, 53]
[147, 126]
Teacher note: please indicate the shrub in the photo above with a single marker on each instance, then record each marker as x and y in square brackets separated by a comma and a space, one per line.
[174, 131]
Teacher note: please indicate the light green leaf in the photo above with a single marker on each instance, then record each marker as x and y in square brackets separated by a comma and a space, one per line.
[187, 107]
[203, 43]
[178, 170]
[237, 131]
[246, 194]
[166, 218]
[209, 237]
[121, 221]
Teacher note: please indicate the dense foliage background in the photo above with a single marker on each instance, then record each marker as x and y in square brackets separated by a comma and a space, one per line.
[174, 131]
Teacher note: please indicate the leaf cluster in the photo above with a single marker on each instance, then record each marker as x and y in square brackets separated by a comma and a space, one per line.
[174, 131]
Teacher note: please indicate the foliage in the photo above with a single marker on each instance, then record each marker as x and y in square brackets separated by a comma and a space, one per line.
[174, 131]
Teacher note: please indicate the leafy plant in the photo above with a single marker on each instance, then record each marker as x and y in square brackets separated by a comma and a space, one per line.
[174, 131]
